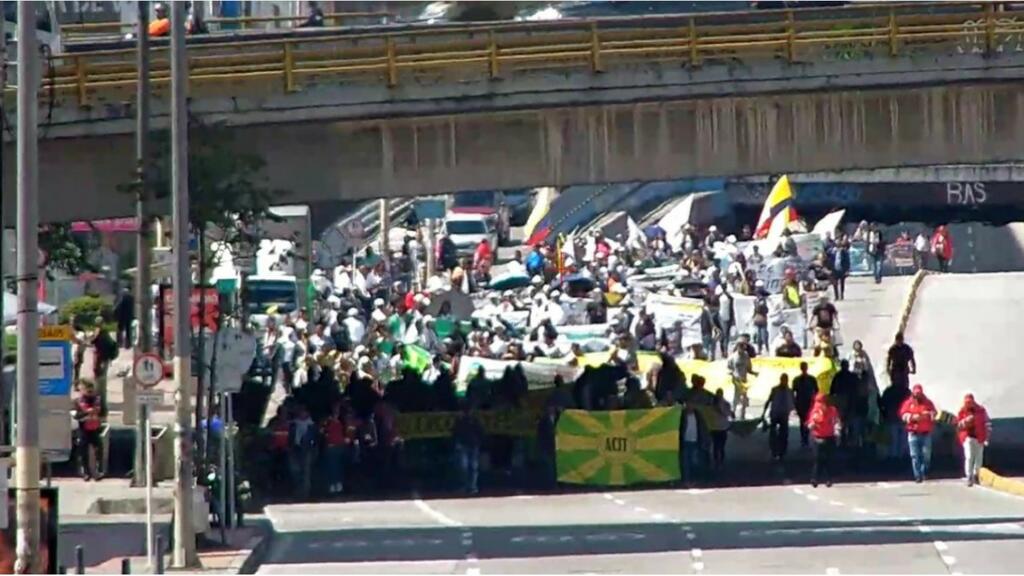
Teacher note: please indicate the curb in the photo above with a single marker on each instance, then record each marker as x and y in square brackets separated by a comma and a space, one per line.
[908, 304]
[259, 545]
[990, 479]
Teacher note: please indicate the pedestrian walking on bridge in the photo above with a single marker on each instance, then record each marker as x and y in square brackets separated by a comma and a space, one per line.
[824, 424]
[918, 414]
[973, 428]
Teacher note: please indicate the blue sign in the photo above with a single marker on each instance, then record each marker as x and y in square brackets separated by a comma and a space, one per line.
[55, 368]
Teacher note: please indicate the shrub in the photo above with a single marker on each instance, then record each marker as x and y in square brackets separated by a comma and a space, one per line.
[85, 309]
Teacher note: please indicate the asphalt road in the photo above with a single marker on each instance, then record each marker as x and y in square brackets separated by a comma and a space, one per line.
[940, 526]
[966, 336]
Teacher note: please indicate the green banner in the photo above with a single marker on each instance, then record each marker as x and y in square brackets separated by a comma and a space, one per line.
[618, 448]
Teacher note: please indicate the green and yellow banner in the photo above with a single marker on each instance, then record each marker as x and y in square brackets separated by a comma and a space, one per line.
[421, 425]
[618, 448]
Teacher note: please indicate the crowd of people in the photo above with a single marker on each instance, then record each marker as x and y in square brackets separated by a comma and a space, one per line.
[385, 339]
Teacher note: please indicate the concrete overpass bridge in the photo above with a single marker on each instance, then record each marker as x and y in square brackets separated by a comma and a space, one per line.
[415, 112]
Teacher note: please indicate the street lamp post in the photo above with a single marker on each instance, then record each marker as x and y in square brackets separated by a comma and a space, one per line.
[27, 446]
[184, 539]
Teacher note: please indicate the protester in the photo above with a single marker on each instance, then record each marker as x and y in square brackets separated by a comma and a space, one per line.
[805, 389]
[692, 440]
[302, 441]
[918, 414]
[922, 247]
[720, 435]
[124, 313]
[824, 425]
[740, 369]
[778, 408]
[468, 436]
[876, 250]
[973, 428]
[942, 248]
[900, 363]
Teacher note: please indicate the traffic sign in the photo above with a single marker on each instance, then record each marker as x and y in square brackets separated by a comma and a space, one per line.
[148, 369]
[149, 397]
[235, 352]
[55, 361]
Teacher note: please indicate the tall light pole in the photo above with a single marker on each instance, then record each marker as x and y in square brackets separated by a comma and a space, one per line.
[142, 241]
[184, 538]
[27, 446]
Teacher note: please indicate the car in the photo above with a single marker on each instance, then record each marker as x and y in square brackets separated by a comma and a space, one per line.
[467, 231]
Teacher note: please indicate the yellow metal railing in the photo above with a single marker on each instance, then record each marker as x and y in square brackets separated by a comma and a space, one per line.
[500, 49]
[87, 30]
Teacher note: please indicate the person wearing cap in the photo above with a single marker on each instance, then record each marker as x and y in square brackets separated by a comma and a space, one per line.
[973, 428]
[354, 325]
[918, 415]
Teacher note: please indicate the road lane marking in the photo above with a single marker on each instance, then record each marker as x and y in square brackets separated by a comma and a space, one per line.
[472, 571]
[799, 491]
[924, 529]
[812, 497]
[696, 552]
[941, 546]
[698, 566]
[836, 503]
[619, 502]
[860, 511]
[691, 536]
[608, 496]
[658, 517]
[640, 510]
[832, 571]
[948, 560]
[437, 516]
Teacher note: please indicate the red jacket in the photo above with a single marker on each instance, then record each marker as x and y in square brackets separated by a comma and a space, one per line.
[978, 423]
[483, 254]
[942, 244]
[918, 416]
[822, 420]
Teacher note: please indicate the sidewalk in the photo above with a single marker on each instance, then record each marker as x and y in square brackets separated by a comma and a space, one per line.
[108, 520]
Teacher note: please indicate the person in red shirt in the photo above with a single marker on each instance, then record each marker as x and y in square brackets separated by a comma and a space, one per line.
[277, 430]
[483, 256]
[90, 424]
[918, 415]
[824, 425]
[942, 247]
[336, 441]
[973, 428]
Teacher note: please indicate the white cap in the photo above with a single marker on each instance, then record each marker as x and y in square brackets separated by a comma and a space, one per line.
[378, 303]
[352, 312]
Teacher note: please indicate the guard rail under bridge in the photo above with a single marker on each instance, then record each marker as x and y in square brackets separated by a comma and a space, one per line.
[408, 111]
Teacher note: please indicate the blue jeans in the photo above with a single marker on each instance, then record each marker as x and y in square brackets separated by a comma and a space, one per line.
[920, 453]
[334, 464]
[876, 266]
[761, 338]
[709, 347]
[468, 460]
[691, 461]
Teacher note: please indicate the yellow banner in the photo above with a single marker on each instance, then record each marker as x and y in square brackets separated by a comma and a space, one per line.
[768, 371]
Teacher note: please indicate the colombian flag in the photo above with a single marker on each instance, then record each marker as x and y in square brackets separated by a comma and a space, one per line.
[778, 211]
[538, 225]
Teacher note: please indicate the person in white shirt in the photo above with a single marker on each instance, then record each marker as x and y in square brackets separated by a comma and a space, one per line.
[922, 246]
[356, 328]
[554, 309]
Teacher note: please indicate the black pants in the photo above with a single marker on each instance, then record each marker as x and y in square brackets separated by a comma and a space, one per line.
[823, 451]
[943, 263]
[839, 286]
[805, 434]
[778, 438]
[124, 333]
[718, 439]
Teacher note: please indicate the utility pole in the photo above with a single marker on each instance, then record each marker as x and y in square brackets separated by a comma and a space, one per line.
[385, 231]
[5, 437]
[184, 539]
[142, 241]
[27, 446]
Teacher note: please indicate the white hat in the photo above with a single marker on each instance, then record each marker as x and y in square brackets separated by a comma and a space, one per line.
[378, 303]
[536, 280]
[352, 313]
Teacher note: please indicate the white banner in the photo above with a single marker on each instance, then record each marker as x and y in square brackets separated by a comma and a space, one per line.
[538, 375]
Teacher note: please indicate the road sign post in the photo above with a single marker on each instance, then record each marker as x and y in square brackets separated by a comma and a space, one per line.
[148, 370]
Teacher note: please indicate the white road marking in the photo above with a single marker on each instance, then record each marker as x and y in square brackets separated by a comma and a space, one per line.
[832, 571]
[608, 496]
[696, 552]
[472, 571]
[619, 502]
[860, 511]
[836, 503]
[924, 529]
[472, 559]
[940, 546]
[882, 514]
[799, 491]
[949, 560]
[812, 497]
[658, 517]
[640, 510]
[437, 516]
[698, 566]
[691, 536]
